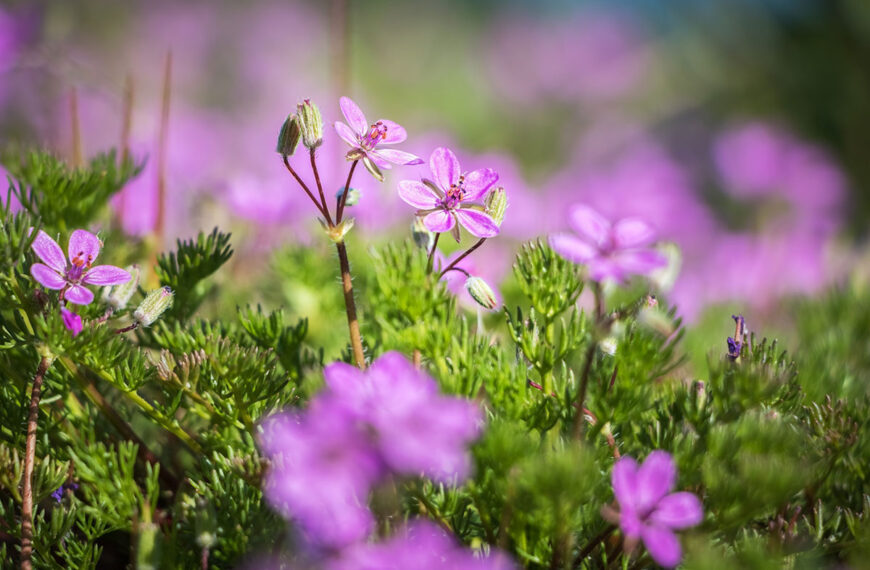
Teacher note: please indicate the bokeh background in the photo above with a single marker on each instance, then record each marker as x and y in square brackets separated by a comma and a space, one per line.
[739, 128]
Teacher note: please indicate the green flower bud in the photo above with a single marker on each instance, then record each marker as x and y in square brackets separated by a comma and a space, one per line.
[118, 296]
[422, 236]
[481, 292]
[310, 124]
[154, 305]
[352, 197]
[496, 203]
[289, 137]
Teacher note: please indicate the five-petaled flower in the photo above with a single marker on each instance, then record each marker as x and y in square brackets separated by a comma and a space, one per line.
[453, 198]
[610, 250]
[71, 275]
[647, 509]
[364, 139]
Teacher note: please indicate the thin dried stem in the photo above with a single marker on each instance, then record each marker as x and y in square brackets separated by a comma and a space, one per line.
[29, 460]
[304, 187]
[341, 204]
[320, 189]
[463, 256]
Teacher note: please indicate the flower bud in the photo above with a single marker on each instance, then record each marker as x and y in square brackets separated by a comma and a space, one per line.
[71, 321]
[496, 203]
[310, 124]
[154, 305]
[481, 292]
[289, 137]
[424, 238]
[118, 296]
[352, 197]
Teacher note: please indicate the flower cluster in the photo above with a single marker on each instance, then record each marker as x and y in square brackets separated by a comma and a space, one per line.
[362, 428]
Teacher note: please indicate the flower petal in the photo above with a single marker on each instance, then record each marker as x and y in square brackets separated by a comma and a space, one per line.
[590, 224]
[105, 275]
[655, 478]
[396, 133]
[78, 295]
[417, 194]
[662, 544]
[572, 248]
[72, 322]
[354, 115]
[46, 276]
[632, 232]
[49, 252]
[624, 481]
[638, 261]
[477, 223]
[346, 134]
[84, 245]
[439, 221]
[678, 510]
[477, 182]
[445, 167]
[397, 156]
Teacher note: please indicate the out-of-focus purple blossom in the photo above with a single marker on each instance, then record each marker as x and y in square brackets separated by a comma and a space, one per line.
[71, 321]
[610, 251]
[71, 276]
[647, 509]
[321, 469]
[591, 56]
[414, 429]
[421, 545]
[364, 138]
[453, 198]
[57, 495]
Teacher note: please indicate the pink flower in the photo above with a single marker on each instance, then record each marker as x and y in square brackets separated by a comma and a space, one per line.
[414, 429]
[613, 251]
[71, 321]
[646, 508]
[364, 138]
[453, 196]
[70, 276]
[421, 545]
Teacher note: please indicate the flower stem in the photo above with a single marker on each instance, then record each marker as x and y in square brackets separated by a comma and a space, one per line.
[340, 211]
[587, 367]
[29, 459]
[304, 187]
[463, 256]
[590, 546]
[432, 254]
[350, 305]
[320, 189]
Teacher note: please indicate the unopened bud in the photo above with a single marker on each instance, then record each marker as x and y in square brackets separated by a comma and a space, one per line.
[422, 236]
[118, 296]
[154, 305]
[310, 124]
[289, 137]
[481, 292]
[352, 197]
[496, 203]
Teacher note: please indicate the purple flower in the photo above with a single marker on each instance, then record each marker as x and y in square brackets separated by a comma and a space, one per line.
[70, 276]
[421, 545]
[71, 321]
[363, 138]
[735, 343]
[453, 197]
[413, 428]
[321, 470]
[646, 508]
[609, 250]
[57, 495]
